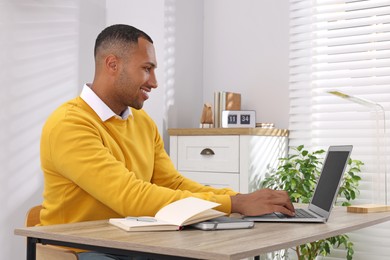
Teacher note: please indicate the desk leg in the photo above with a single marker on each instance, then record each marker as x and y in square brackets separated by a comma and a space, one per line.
[31, 248]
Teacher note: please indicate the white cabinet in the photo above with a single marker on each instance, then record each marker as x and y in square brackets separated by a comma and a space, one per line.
[219, 157]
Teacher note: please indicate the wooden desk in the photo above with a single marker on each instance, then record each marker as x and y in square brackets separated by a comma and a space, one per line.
[190, 243]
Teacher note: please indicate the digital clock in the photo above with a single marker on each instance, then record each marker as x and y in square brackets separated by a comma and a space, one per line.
[238, 118]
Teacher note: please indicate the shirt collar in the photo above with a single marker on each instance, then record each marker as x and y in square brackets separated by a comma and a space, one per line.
[100, 108]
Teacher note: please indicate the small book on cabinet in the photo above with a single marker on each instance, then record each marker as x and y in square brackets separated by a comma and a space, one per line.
[225, 100]
[171, 217]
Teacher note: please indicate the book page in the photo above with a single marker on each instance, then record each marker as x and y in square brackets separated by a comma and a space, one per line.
[180, 211]
[205, 215]
[139, 225]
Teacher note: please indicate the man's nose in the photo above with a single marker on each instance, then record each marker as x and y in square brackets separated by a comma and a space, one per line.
[153, 80]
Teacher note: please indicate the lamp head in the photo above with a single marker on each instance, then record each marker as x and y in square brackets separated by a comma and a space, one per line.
[357, 100]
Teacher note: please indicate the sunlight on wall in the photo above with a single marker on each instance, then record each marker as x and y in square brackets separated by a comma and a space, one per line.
[38, 72]
[264, 154]
[169, 61]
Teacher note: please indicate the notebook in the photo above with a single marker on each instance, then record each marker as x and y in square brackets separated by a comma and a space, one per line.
[325, 192]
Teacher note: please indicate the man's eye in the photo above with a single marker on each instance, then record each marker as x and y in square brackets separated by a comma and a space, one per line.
[147, 69]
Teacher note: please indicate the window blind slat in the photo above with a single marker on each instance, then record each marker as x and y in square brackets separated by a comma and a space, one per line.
[352, 48]
[353, 23]
[348, 32]
[345, 46]
[351, 11]
[361, 64]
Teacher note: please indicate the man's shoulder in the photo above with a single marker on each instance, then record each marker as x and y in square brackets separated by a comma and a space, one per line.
[72, 110]
[143, 120]
[140, 114]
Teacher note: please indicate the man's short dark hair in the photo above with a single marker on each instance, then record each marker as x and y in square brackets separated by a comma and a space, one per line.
[119, 34]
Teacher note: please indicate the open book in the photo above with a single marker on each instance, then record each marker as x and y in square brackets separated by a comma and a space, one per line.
[171, 217]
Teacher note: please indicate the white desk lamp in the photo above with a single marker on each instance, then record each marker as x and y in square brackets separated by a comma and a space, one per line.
[378, 108]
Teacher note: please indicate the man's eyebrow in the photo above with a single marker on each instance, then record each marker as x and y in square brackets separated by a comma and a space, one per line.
[152, 64]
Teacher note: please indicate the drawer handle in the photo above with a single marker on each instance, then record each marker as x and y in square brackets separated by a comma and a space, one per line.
[207, 151]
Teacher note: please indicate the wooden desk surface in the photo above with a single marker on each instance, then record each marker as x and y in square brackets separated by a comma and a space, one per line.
[222, 244]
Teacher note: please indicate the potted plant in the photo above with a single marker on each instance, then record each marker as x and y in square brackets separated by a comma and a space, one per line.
[298, 175]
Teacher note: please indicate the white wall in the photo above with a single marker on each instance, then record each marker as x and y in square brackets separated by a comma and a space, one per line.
[39, 56]
[232, 45]
[186, 96]
[246, 50]
[208, 46]
[92, 22]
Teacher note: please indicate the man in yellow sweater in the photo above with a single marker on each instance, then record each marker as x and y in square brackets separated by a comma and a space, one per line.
[102, 155]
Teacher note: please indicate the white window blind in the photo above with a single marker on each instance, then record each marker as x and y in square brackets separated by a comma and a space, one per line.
[344, 45]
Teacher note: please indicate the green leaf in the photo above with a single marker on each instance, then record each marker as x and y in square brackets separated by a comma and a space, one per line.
[293, 184]
[353, 194]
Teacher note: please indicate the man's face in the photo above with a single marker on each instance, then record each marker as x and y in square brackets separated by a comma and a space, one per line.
[137, 76]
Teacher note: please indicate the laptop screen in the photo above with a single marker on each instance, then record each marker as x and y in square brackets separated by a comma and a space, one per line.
[328, 183]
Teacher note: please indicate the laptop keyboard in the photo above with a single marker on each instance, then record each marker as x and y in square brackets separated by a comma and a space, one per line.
[299, 213]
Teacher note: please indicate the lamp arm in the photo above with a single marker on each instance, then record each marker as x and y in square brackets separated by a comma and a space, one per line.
[379, 108]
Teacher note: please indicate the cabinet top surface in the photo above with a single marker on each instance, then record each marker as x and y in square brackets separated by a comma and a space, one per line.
[229, 131]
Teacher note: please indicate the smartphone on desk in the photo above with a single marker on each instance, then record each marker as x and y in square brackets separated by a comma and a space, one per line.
[224, 223]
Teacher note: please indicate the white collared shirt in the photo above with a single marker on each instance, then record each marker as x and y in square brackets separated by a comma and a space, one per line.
[100, 108]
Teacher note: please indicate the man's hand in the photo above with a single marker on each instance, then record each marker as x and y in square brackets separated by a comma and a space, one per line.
[262, 202]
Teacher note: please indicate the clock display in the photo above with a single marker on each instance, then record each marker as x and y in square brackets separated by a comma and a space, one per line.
[245, 119]
[232, 119]
[238, 118]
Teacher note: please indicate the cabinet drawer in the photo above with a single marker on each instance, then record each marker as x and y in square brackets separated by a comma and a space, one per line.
[215, 179]
[208, 153]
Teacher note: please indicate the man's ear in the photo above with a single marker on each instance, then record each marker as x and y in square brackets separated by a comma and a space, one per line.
[112, 64]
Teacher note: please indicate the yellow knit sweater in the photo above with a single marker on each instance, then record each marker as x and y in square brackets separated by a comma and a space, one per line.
[98, 170]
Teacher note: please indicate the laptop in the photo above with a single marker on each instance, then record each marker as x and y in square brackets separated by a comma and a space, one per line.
[325, 192]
